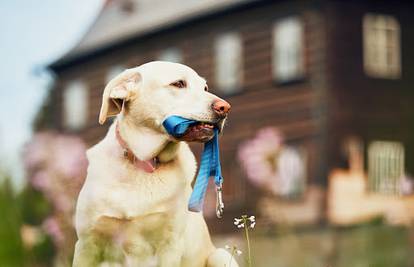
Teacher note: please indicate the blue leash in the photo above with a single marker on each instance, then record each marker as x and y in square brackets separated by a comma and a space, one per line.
[209, 166]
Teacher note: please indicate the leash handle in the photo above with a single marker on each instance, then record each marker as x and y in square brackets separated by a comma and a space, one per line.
[219, 201]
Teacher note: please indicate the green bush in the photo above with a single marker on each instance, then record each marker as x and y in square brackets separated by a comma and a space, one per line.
[17, 209]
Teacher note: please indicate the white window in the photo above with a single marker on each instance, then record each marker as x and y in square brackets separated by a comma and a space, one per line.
[288, 62]
[381, 37]
[171, 54]
[291, 172]
[385, 167]
[113, 71]
[75, 105]
[228, 62]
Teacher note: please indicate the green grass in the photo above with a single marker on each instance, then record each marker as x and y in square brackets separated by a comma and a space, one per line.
[362, 246]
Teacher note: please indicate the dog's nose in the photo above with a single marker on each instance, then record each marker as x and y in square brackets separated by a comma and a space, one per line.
[221, 107]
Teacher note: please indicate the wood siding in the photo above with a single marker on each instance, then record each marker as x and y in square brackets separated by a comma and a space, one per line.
[334, 100]
[371, 108]
[262, 102]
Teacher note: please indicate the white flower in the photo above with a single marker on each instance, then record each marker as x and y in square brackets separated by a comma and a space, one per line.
[252, 218]
[238, 252]
[240, 225]
[252, 224]
[237, 221]
[227, 247]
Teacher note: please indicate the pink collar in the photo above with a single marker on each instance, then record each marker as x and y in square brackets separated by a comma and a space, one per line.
[147, 165]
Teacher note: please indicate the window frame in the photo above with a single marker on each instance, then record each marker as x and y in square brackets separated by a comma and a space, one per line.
[299, 70]
[376, 39]
[221, 62]
[81, 89]
[377, 168]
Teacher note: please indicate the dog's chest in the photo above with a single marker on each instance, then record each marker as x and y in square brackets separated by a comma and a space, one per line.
[142, 210]
[143, 237]
[150, 228]
[133, 193]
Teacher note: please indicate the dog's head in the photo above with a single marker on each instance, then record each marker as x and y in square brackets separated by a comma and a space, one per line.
[148, 94]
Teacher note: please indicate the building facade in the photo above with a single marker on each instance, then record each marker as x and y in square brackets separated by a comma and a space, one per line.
[319, 72]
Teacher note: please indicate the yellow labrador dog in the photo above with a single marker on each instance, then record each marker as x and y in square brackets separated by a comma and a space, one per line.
[132, 209]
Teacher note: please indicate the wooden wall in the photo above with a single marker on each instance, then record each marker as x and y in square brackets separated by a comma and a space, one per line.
[297, 109]
[372, 108]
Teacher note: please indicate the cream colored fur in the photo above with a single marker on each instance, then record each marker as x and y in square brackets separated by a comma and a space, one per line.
[125, 216]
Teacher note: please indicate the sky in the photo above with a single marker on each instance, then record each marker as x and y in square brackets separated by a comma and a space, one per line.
[33, 33]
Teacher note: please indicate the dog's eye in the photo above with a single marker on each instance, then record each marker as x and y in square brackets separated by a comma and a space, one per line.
[206, 88]
[179, 84]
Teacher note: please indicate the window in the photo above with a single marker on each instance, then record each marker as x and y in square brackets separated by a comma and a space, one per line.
[288, 62]
[75, 105]
[291, 172]
[385, 167]
[381, 37]
[172, 55]
[113, 71]
[228, 62]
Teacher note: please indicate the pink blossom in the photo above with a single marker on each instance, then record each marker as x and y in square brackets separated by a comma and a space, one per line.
[52, 228]
[36, 152]
[70, 157]
[256, 154]
[271, 165]
[40, 180]
[56, 166]
[63, 203]
[407, 185]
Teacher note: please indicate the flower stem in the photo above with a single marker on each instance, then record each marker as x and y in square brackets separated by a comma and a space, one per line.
[246, 231]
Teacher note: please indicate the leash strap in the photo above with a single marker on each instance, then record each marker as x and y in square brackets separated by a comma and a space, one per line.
[209, 166]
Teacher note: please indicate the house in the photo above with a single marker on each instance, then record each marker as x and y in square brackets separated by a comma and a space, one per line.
[318, 71]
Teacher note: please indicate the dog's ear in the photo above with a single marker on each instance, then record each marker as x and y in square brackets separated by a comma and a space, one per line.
[118, 91]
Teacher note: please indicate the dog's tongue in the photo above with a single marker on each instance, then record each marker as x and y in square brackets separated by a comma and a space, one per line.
[147, 165]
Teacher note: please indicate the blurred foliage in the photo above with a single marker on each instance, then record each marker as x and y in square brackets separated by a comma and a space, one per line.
[18, 209]
[376, 246]
[11, 246]
[34, 206]
[368, 245]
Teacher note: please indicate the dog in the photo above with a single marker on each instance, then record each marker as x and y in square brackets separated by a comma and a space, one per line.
[132, 209]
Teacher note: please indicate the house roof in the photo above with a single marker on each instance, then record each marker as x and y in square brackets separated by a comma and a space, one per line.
[120, 20]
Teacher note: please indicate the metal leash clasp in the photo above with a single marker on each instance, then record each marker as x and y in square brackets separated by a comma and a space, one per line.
[219, 201]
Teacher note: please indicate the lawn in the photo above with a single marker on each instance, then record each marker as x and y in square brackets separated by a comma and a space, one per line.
[374, 245]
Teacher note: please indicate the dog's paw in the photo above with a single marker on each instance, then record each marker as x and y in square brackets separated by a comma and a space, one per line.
[221, 258]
